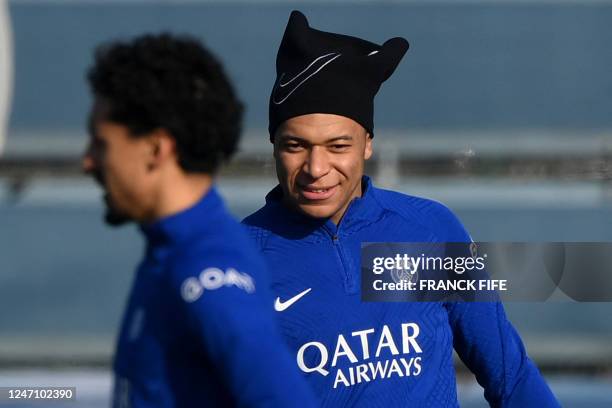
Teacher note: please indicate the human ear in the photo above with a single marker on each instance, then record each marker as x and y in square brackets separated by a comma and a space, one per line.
[368, 147]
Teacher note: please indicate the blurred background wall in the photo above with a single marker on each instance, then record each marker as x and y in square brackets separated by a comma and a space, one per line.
[501, 109]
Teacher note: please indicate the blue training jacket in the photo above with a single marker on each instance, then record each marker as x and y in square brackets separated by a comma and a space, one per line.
[199, 330]
[384, 354]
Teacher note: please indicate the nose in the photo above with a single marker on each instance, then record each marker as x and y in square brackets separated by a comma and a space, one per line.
[317, 165]
[88, 163]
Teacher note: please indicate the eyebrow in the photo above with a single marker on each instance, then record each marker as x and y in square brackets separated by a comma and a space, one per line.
[287, 137]
[346, 138]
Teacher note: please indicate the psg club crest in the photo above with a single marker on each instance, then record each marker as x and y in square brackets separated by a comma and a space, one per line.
[407, 274]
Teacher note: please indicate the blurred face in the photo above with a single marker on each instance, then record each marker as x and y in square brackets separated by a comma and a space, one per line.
[122, 165]
[319, 163]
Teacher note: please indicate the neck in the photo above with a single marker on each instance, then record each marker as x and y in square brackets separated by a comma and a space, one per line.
[180, 193]
[337, 217]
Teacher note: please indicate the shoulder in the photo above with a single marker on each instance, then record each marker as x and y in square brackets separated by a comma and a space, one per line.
[429, 213]
[258, 225]
[224, 262]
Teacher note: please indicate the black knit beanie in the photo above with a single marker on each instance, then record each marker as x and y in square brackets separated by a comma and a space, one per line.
[321, 72]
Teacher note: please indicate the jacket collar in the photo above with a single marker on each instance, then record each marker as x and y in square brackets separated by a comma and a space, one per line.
[187, 223]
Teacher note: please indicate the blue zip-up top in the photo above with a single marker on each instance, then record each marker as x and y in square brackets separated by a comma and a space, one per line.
[384, 354]
[198, 330]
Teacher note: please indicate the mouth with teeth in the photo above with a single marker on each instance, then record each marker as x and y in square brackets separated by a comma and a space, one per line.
[317, 193]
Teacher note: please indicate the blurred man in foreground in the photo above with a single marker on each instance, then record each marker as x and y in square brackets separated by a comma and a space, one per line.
[198, 329]
[311, 229]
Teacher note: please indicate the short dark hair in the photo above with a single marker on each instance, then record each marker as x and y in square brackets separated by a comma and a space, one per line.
[175, 83]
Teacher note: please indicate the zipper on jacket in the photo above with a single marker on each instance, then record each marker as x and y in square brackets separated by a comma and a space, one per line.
[349, 284]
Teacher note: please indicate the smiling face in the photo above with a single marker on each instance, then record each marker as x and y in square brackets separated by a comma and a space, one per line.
[319, 163]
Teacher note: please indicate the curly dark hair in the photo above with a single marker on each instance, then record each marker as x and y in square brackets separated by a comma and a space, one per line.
[175, 83]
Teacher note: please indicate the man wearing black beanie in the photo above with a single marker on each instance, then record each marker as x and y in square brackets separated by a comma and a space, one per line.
[313, 224]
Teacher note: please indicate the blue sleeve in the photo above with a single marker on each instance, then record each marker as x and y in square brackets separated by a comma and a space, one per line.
[492, 349]
[489, 345]
[226, 305]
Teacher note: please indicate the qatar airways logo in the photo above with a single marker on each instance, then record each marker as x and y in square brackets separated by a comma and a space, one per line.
[404, 356]
[212, 279]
